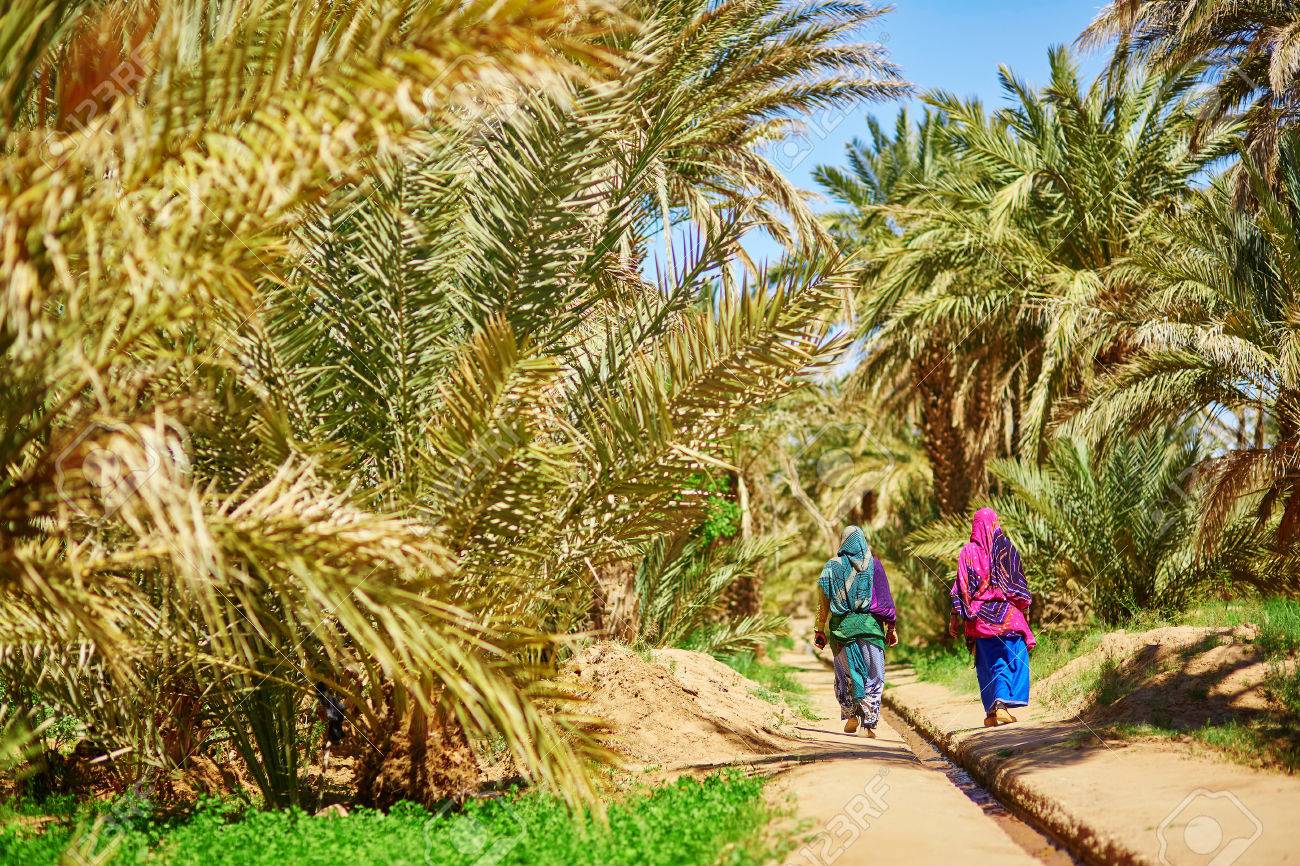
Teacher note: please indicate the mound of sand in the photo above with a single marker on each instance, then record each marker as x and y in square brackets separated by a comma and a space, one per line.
[679, 710]
[1182, 676]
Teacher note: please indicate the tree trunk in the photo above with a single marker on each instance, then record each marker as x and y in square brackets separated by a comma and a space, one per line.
[415, 756]
[864, 511]
[613, 612]
[744, 596]
[1288, 446]
[746, 515]
[943, 441]
[178, 718]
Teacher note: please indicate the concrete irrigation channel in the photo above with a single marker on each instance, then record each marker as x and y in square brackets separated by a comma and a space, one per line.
[895, 797]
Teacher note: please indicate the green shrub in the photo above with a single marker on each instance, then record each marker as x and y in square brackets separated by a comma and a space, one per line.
[718, 819]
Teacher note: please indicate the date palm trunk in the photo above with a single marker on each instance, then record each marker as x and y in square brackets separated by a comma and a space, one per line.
[613, 611]
[744, 597]
[1288, 445]
[415, 755]
[954, 476]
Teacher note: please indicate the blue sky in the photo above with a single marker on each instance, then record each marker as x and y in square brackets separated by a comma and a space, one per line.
[954, 45]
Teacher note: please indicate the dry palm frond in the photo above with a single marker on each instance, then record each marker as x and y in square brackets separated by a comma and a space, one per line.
[298, 385]
[138, 235]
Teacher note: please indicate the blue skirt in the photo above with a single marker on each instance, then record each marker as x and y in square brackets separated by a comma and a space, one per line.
[1002, 667]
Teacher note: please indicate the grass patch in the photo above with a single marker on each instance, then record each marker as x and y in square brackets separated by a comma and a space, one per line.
[1141, 731]
[1058, 647]
[1256, 744]
[953, 666]
[1282, 682]
[1086, 682]
[776, 682]
[1112, 681]
[950, 665]
[1279, 626]
[720, 819]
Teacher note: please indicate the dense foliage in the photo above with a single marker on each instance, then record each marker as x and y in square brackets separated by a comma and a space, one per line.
[376, 350]
[330, 357]
[1068, 310]
[691, 821]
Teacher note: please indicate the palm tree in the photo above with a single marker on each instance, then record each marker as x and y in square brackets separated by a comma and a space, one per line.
[999, 284]
[1216, 336]
[428, 252]
[306, 381]
[1249, 50]
[879, 174]
[872, 227]
[144, 222]
[1108, 533]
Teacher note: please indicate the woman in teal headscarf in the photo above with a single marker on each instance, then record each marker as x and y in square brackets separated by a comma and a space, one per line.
[857, 609]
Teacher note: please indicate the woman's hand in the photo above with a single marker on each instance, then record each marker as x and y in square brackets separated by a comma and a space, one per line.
[954, 626]
[819, 639]
[891, 636]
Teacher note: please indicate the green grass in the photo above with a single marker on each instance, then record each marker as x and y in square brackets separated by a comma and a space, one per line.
[1257, 744]
[949, 665]
[1282, 682]
[776, 682]
[1057, 647]
[721, 819]
[952, 665]
[1279, 638]
[1278, 618]
[1279, 624]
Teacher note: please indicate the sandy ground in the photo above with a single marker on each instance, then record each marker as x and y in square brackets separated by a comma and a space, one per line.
[678, 710]
[875, 801]
[1181, 675]
[1142, 803]
[853, 800]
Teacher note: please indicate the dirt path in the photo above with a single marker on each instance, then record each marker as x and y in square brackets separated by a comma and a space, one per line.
[876, 801]
[1123, 802]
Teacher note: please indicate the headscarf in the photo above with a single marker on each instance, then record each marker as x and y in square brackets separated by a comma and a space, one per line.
[846, 588]
[977, 554]
[989, 572]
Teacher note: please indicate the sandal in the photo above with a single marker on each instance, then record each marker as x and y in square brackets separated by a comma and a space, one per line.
[1003, 717]
[851, 724]
[991, 720]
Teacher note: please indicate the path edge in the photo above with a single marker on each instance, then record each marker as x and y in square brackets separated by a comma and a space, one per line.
[1076, 833]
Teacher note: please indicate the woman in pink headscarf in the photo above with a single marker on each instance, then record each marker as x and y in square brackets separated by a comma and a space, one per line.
[989, 601]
